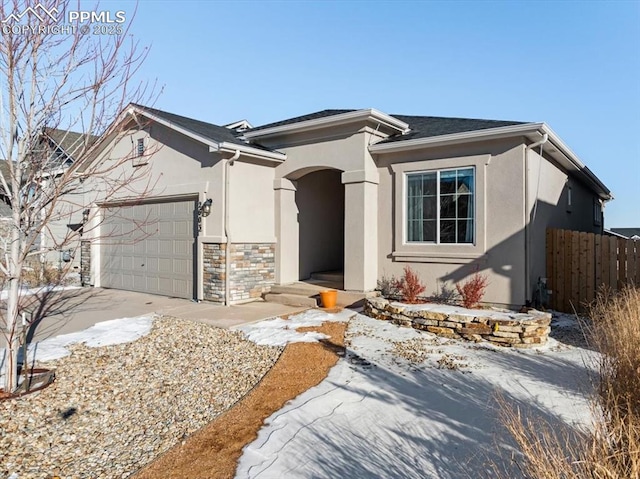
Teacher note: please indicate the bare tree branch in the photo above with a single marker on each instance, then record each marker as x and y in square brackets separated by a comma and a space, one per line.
[55, 81]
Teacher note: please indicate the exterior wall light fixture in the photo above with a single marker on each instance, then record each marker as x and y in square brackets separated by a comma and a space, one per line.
[205, 208]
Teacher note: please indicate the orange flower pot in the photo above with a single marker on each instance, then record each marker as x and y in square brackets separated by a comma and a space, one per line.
[329, 298]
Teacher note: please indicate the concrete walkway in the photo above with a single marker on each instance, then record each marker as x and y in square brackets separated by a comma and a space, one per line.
[78, 309]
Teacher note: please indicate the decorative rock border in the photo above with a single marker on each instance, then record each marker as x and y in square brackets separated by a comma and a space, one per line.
[519, 330]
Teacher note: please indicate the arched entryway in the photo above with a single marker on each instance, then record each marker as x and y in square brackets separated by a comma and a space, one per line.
[320, 200]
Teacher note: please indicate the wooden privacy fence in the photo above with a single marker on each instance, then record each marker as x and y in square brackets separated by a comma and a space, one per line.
[579, 264]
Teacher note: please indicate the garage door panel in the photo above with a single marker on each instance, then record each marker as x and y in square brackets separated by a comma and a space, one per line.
[126, 263]
[151, 266]
[181, 248]
[165, 266]
[180, 267]
[182, 228]
[165, 228]
[154, 252]
[152, 246]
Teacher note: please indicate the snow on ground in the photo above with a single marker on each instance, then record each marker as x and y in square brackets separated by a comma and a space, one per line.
[105, 333]
[280, 332]
[447, 309]
[4, 294]
[404, 403]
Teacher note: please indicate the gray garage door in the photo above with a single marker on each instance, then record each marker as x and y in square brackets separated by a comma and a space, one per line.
[149, 248]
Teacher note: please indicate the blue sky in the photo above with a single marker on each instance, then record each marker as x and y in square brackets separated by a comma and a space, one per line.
[573, 65]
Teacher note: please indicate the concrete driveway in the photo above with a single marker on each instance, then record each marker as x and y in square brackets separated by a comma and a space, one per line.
[77, 309]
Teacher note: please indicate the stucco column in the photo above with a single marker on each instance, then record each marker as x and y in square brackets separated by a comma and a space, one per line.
[287, 231]
[360, 230]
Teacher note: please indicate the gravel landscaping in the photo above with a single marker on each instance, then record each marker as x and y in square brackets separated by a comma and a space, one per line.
[113, 409]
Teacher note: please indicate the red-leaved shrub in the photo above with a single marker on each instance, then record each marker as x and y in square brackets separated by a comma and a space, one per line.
[409, 286]
[473, 290]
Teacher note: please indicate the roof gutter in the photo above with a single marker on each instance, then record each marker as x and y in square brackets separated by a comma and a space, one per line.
[463, 137]
[226, 147]
[227, 230]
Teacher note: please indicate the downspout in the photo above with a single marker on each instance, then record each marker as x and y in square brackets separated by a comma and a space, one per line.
[528, 221]
[227, 232]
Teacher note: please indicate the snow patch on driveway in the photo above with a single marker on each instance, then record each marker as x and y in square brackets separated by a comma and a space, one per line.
[105, 333]
[4, 294]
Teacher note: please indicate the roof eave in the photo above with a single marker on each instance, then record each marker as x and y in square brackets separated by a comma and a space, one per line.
[613, 233]
[328, 121]
[462, 137]
[532, 131]
[215, 145]
[226, 147]
[158, 119]
[133, 110]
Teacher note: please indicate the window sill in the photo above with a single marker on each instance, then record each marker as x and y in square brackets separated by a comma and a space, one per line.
[434, 257]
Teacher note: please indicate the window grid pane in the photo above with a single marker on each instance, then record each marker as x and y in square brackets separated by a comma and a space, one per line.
[440, 206]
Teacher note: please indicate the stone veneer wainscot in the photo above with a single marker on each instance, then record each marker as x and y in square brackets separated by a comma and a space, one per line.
[252, 270]
[85, 263]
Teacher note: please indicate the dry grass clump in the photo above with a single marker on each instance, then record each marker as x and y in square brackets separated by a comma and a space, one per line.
[611, 449]
[38, 274]
[43, 275]
[615, 332]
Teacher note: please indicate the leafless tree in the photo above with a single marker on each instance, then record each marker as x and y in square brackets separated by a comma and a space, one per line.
[58, 77]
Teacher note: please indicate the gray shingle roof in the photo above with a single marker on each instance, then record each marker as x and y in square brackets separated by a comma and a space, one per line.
[210, 131]
[428, 126]
[298, 119]
[421, 126]
[628, 232]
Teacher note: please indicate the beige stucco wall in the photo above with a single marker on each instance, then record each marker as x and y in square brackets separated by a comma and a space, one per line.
[499, 247]
[251, 203]
[182, 167]
[549, 184]
[345, 151]
[177, 167]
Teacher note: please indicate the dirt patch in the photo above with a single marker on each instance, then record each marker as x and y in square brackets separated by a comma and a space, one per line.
[213, 452]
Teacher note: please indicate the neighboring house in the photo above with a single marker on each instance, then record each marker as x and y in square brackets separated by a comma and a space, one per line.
[357, 191]
[626, 233]
[58, 150]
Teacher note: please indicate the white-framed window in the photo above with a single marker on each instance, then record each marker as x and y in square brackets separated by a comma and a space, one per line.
[140, 145]
[597, 212]
[440, 206]
[139, 156]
